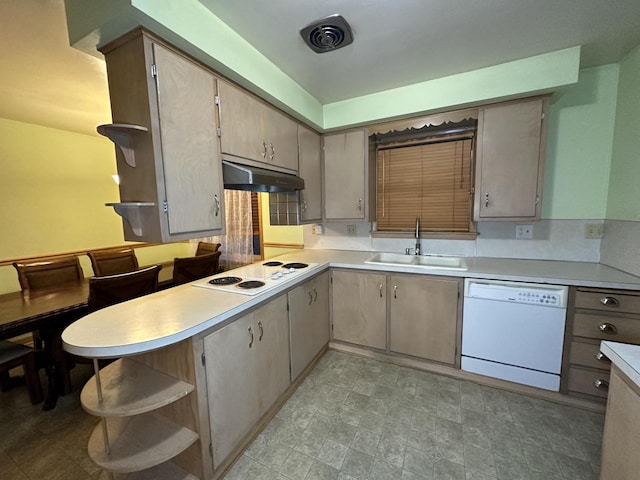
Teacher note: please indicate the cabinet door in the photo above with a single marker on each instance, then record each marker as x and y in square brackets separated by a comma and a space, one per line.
[272, 360]
[621, 430]
[510, 161]
[190, 153]
[240, 123]
[423, 317]
[359, 308]
[310, 169]
[344, 174]
[308, 321]
[281, 136]
[232, 390]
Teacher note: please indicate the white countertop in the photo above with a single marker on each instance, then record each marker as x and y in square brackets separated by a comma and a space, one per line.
[624, 356]
[169, 316]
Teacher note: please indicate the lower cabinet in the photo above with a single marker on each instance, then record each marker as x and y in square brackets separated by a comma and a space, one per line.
[423, 317]
[359, 308]
[308, 321]
[423, 313]
[621, 430]
[595, 315]
[247, 369]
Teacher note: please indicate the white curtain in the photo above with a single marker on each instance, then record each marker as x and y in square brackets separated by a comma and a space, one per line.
[237, 244]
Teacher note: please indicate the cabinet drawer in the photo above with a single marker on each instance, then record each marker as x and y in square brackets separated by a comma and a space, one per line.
[610, 302]
[584, 381]
[585, 354]
[606, 327]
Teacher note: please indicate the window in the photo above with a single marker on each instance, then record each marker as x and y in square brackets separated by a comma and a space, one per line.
[430, 180]
[425, 169]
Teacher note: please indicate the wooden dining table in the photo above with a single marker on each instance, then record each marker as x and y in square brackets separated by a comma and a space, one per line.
[49, 312]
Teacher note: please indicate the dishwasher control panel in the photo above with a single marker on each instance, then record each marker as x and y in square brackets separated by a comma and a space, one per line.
[517, 292]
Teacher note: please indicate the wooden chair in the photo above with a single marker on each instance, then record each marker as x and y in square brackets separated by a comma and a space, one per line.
[112, 289]
[13, 355]
[49, 273]
[113, 262]
[205, 248]
[192, 268]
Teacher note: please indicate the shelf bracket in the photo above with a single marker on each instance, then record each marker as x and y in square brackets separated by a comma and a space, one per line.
[132, 213]
[122, 135]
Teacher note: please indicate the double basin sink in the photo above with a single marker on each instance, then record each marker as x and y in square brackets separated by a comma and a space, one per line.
[439, 262]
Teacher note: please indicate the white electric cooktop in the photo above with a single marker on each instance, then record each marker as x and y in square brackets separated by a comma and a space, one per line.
[256, 278]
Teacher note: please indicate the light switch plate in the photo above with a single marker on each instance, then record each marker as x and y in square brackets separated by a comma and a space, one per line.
[352, 230]
[593, 230]
[524, 232]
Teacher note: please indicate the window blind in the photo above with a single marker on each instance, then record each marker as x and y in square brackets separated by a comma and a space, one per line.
[431, 181]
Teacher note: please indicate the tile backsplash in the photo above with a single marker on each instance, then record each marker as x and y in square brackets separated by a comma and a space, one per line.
[552, 240]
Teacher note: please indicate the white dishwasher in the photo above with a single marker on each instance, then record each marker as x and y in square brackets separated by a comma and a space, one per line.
[514, 331]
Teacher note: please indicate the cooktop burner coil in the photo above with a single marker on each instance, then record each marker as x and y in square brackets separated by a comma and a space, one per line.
[225, 280]
[295, 265]
[272, 264]
[251, 284]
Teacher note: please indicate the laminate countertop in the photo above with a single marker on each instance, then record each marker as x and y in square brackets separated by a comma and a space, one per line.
[169, 316]
[624, 356]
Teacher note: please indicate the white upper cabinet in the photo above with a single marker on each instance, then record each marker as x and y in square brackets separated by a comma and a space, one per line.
[252, 130]
[510, 160]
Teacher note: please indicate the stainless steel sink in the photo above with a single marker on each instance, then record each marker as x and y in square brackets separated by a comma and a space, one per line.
[440, 262]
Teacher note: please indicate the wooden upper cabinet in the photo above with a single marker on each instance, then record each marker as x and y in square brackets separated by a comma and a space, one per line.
[345, 176]
[171, 182]
[310, 169]
[255, 131]
[510, 160]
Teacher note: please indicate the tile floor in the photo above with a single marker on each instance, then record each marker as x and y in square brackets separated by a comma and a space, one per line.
[351, 418]
[355, 418]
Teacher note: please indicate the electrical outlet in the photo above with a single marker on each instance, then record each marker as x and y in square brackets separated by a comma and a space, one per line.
[524, 231]
[318, 229]
[593, 230]
[351, 230]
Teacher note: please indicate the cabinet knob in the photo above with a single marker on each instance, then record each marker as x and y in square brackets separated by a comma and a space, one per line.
[251, 335]
[486, 199]
[395, 291]
[601, 357]
[601, 384]
[261, 331]
[608, 328]
[610, 302]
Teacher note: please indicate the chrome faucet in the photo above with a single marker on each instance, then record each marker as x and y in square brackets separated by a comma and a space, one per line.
[418, 250]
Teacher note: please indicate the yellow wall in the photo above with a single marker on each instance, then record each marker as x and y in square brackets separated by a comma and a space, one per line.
[53, 187]
[280, 234]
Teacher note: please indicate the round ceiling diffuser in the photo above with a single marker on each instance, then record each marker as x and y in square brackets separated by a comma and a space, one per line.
[327, 34]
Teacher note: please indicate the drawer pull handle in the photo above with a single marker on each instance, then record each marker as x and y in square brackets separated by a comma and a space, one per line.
[610, 302]
[380, 290]
[601, 384]
[608, 328]
[601, 357]
[251, 335]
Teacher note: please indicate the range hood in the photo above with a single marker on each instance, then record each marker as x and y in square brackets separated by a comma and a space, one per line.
[254, 179]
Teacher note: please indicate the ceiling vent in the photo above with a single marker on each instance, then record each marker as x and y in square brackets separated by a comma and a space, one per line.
[327, 34]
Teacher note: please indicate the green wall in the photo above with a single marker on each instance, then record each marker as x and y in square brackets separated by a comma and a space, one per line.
[624, 187]
[580, 134]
